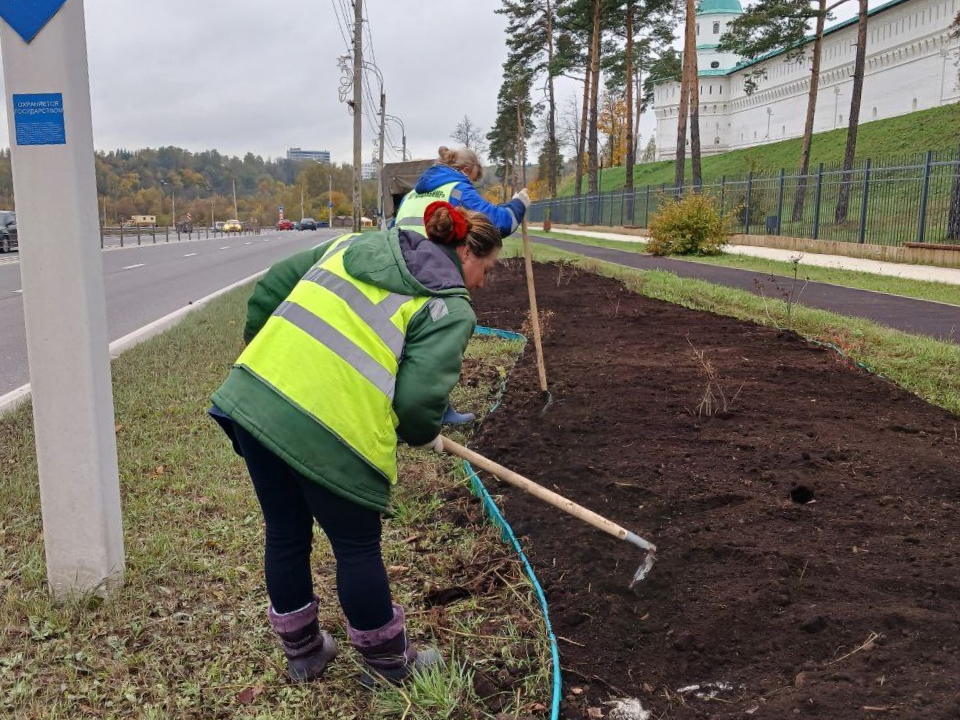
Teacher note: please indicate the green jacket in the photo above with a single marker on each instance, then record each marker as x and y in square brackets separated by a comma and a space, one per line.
[400, 261]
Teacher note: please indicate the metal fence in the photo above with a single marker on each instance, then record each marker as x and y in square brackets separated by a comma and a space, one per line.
[907, 200]
[118, 235]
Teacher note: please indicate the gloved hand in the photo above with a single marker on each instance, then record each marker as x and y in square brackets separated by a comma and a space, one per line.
[452, 417]
[436, 445]
[524, 197]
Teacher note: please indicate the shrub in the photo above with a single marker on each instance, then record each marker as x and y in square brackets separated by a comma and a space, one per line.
[691, 226]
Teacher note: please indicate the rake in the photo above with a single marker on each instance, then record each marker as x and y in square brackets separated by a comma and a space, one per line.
[560, 502]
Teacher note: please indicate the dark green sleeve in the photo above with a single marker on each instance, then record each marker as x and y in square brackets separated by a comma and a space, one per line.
[274, 287]
[430, 368]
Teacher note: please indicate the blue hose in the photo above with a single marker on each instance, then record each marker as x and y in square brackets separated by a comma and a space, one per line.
[506, 532]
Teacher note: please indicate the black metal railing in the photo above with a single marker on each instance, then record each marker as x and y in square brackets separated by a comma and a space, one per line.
[905, 200]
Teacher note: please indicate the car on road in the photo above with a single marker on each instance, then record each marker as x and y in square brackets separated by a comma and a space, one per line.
[308, 224]
[8, 231]
[322, 224]
[218, 226]
[232, 226]
[296, 224]
[285, 225]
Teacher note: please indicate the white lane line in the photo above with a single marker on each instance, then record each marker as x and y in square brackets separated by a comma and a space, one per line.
[189, 254]
[132, 267]
[17, 292]
[225, 247]
[248, 243]
[267, 240]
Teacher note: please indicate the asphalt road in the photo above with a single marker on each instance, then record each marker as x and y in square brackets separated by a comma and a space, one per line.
[144, 284]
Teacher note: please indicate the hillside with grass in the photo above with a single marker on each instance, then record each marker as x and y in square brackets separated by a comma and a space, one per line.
[901, 139]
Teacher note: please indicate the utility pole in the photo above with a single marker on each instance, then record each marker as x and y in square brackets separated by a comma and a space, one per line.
[357, 109]
[330, 199]
[383, 122]
[236, 213]
[47, 95]
[301, 204]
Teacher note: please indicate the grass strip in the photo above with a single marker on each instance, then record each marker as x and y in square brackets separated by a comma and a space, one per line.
[924, 366]
[890, 284]
[187, 635]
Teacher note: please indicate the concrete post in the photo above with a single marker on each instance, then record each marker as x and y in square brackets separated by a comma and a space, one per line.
[64, 306]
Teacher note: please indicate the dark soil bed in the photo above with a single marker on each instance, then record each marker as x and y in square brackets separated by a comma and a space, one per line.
[844, 607]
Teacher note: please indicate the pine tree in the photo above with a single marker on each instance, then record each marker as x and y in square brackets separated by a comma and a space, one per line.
[530, 41]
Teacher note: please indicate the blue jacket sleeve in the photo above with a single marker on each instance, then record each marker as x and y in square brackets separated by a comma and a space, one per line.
[507, 217]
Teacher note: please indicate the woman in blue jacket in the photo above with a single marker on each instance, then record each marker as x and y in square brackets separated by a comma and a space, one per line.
[451, 180]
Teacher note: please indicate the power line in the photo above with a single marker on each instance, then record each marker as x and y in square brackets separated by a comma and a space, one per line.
[340, 26]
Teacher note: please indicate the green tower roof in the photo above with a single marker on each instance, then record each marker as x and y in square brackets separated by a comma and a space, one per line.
[712, 7]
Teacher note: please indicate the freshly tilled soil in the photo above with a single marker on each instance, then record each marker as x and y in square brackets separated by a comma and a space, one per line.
[807, 524]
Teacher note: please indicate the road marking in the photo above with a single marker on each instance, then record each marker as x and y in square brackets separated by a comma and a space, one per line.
[225, 247]
[189, 254]
[16, 292]
[267, 240]
[248, 243]
[132, 267]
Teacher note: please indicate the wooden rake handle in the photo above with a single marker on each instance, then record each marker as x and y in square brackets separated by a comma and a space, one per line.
[534, 313]
[558, 501]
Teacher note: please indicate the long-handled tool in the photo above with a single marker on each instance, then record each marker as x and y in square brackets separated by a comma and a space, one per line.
[531, 289]
[535, 318]
[558, 501]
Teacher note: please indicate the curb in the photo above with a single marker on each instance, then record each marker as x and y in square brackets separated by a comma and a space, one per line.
[508, 536]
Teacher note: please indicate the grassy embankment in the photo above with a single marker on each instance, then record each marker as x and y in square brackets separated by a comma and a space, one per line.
[936, 129]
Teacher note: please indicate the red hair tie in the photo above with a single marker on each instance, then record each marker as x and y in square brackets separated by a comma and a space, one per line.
[460, 226]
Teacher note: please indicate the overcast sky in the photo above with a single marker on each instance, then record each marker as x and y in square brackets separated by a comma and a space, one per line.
[249, 75]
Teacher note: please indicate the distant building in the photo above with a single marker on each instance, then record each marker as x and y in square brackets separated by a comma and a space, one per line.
[322, 156]
[369, 171]
[910, 65]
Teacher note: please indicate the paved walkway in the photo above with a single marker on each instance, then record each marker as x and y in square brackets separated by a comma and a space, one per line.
[922, 317]
[877, 267]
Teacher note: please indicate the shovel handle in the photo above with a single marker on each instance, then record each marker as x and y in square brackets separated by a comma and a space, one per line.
[528, 486]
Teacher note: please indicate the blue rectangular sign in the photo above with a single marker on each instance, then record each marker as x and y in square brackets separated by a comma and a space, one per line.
[39, 119]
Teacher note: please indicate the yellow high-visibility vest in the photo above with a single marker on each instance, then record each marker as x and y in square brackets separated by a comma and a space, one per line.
[414, 205]
[333, 349]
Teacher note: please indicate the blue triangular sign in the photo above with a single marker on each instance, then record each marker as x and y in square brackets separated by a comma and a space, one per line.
[28, 17]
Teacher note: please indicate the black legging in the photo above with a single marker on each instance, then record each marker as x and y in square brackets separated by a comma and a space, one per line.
[290, 502]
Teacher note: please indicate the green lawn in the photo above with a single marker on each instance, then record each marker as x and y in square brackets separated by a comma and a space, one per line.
[884, 141]
[919, 289]
[924, 366]
[187, 636]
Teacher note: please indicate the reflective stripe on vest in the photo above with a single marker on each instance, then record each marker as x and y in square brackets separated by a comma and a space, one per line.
[414, 205]
[333, 350]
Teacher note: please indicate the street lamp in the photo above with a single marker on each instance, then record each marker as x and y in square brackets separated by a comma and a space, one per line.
[173, 196]
[403, 131]
[233, 182]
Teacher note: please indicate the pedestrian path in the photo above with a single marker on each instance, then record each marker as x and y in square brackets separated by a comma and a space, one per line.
[923, 317]
[840, 262]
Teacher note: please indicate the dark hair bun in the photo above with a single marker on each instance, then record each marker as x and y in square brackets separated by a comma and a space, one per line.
[440, 226]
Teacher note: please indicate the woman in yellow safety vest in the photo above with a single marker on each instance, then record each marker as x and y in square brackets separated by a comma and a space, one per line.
[347, 355]
[452, 179]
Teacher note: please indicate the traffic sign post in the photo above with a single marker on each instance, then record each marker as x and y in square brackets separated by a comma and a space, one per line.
[51, 141]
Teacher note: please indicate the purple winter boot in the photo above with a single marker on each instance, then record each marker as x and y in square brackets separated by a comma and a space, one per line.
[387, 653]
[307, 647]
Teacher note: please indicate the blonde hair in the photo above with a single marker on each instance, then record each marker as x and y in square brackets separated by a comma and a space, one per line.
[461, 159]
[482, 237]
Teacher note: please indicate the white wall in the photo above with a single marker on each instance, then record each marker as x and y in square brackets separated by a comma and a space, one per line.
[911, 65]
